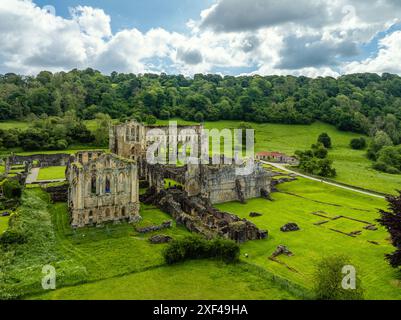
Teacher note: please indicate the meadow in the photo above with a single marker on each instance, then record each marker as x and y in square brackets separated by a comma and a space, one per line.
[352, 166]
[3, 224]
[192, 280]
[116, 262]
[52, 173]
[310, 203]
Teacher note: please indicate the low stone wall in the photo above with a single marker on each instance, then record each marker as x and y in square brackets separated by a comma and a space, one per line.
[198, 215]
[44, 160]
[58, 193]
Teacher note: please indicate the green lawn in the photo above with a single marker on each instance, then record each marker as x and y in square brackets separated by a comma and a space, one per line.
[3, 224]
[14, 125]
[296, 202]
[51, 173]
[87, 254]
[352, 166]
[194, 280]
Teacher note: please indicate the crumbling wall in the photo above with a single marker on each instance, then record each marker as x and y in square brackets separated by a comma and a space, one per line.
[43, 160]
[198, 215]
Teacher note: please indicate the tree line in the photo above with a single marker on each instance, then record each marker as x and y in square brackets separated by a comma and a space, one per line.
[365, 103]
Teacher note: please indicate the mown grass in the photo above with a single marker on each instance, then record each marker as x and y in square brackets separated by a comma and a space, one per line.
[80, 256]
[7, 125]
[296, 202]
[115, 262]
[3, 224]
[51, 173]
[193, 280]
[352, 165]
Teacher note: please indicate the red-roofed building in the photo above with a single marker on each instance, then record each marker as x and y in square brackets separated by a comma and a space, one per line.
[276, 157]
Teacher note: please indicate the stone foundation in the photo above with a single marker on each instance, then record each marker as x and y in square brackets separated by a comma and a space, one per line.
[198, 215]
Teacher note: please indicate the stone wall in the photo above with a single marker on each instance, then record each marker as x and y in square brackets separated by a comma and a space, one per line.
[44, 160]
[222, 184]
[198, 215]
[102, 189]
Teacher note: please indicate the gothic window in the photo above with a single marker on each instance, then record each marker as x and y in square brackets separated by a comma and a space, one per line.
[108, 187]
[123, 212]
[93, 185]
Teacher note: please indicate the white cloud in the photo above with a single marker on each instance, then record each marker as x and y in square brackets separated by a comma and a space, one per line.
[288, 37]
[387, 60]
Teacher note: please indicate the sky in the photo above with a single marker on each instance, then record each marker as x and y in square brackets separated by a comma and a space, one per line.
[304, 37]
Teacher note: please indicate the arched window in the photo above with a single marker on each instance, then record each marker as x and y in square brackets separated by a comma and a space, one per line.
[108, 188]
[93, 185]
[123, 211]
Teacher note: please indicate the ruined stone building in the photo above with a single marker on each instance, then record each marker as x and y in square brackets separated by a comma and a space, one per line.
[102, 188]
[105, 187]
[217, 183]
[132, 139]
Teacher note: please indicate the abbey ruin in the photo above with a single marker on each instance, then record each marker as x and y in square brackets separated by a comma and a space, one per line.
[104, 187]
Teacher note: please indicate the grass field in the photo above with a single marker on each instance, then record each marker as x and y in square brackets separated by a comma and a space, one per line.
[296, 202]
[193, 280]
[7, 125]
[116, 262]
[352, 166]
[3, 224]
[52, 173]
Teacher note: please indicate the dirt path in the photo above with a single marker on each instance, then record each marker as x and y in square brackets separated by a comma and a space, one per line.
[33, 176]
[282, 167]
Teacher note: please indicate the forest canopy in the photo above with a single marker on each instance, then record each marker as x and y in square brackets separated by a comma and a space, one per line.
[364, 103]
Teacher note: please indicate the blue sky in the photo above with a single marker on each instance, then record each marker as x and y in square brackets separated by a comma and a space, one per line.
[303, 37]
[171, 15]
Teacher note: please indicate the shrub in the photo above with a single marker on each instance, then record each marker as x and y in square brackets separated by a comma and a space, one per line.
[328, 279]
[12, 237]
[325, 139]
[12, 189]
[358, 144]
[195, 247]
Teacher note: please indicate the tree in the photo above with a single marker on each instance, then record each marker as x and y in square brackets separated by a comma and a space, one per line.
[328, 279]
[319, 151]
[391, 220]
[102, 129]
[325, 139]
[358, 143]
[12, 189]
[150, 120]
[381, 139]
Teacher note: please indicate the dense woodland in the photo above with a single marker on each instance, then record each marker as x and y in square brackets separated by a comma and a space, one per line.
[363, 103]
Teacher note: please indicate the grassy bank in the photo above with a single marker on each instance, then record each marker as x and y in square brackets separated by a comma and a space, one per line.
[296, 202]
